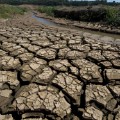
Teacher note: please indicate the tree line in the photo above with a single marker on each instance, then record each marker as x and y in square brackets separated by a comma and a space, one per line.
[55, 2]
[36, 2]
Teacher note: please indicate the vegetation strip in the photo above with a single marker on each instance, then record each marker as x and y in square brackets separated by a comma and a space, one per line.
[105, 14]
[7, 11]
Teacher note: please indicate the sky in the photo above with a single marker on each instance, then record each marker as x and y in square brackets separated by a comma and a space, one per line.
[113, 0]
[107, 0]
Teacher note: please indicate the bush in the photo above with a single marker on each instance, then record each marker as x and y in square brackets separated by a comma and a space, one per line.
[7, 11]
[88, 14]
[49, 10]
[113, 16]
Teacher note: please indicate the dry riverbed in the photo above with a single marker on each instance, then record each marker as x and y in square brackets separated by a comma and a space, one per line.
[49, 73]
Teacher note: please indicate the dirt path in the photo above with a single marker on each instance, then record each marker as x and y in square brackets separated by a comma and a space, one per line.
[57, 74]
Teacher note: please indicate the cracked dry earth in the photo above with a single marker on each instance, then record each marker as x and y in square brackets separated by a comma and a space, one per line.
[57, 74]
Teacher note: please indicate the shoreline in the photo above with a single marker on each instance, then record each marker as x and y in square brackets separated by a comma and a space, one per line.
[77, 24]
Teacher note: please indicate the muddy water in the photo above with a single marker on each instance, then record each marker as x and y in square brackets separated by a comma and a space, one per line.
[50, 23]
[45, 21]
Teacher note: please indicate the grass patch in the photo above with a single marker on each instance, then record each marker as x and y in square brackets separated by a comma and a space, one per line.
[113, 16]
[49, 10]
[7, 11]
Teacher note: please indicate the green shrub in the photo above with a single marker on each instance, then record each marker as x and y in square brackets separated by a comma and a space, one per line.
[49, 10]
[113, 16]
[7, 11]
